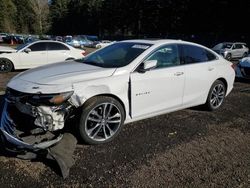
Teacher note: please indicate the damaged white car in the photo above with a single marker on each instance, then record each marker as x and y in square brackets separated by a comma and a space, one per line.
[122, 83]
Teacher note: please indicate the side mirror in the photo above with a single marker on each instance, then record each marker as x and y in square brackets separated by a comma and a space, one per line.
[147, 65]
[27, 50]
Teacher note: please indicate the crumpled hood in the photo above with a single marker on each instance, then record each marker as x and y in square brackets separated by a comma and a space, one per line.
[67, 72]
[4, 49]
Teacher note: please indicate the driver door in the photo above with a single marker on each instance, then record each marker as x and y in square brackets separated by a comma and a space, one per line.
[159, 89]
[36, 57]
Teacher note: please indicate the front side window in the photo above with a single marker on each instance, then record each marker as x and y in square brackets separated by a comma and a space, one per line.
[38, 47]
[195, 54]
[166, 56]
[116, 55]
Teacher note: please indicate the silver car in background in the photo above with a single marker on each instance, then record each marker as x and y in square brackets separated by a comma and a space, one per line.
[230, 50]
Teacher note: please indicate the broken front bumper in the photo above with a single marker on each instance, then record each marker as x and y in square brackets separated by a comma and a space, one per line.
[27, 127]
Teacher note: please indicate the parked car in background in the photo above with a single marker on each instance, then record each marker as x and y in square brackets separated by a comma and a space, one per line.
[243, 68]
[85, 43]
[3, 36]
[14, 39]
[74, 41]
[230, 50]
[30, 38]
[36, 54]
[67, 38]
[59, 38]
[91, 40]
[122, 83]
[104, 43]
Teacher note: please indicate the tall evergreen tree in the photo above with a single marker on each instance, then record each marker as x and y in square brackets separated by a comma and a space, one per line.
[7, 16]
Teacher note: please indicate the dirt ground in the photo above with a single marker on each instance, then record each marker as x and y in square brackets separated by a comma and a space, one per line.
[188, 148]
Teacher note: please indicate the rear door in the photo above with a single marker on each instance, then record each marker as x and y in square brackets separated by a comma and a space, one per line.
[200, 70]
[57, 52]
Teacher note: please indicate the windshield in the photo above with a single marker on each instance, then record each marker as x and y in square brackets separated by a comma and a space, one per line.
[116, 55]
[21, 46]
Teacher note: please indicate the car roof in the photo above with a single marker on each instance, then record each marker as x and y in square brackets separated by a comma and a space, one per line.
[162, 41]
[233, 43]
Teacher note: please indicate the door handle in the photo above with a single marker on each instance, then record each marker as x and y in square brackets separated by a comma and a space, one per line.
[178, 73]
[210, 68]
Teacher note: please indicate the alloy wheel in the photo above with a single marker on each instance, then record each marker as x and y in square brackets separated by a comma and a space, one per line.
[217, 96]
[5, 65]
[103, 121]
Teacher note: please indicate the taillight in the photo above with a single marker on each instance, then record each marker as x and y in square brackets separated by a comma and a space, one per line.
[83, 53]
[234, 66]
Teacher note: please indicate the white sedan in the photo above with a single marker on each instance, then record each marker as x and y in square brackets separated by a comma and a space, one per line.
[122, 83]
[104, 43]
[36, 54]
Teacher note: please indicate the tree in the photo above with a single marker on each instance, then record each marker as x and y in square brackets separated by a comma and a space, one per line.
[7, 15]
[41, 11]
[58, 14]
[25, 16]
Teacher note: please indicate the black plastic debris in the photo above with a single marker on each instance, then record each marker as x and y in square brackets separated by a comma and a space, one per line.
[63, 152]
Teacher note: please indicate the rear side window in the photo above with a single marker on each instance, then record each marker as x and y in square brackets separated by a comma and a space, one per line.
[238, 46]
[194, 54]
[56, 46]
[38, 47]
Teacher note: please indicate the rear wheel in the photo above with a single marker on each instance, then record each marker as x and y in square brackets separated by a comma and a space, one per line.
[244, 55]
[229, 57]
[5, 65]
[216, 95]
[101, 120]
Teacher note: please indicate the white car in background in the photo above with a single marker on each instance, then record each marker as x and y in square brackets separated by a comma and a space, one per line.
[121, 83]
[36, 54]
[230, 50]
[104, 43]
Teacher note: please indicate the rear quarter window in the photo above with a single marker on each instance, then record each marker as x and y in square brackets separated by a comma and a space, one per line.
[195, 54]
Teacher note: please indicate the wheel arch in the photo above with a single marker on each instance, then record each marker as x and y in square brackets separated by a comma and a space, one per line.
[224, 82]
[112, 96]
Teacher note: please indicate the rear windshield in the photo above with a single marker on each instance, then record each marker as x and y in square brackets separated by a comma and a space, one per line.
[223, 46]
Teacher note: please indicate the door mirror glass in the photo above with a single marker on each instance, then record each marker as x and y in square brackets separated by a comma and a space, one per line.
[148, 65]
[27, 50]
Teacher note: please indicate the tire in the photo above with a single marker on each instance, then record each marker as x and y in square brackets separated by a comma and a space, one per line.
[244, 55]
[101, 120]
[5, 65]
[216, 95]
[229, 57]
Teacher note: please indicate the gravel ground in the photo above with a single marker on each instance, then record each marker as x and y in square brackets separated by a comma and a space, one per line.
[188, 148]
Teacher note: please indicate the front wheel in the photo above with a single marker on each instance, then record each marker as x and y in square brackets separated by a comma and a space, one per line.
[5, 65]
[101, 120]
[216, 95]
[244, 55]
